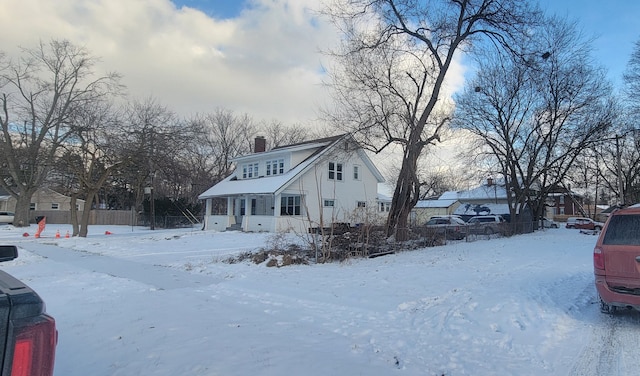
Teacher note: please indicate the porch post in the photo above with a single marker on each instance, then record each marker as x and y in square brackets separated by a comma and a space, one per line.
[229, 206]
[247, 213]
[207, 212]
[276, 212]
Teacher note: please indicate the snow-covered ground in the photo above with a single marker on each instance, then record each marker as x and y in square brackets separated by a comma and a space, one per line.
[141, 302]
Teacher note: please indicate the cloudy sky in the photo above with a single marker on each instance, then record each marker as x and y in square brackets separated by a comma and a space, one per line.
[261, 60]
[255, 56]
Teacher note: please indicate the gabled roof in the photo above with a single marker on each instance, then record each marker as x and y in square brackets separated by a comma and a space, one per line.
[483, 192]
[277, 183]
[319, 144]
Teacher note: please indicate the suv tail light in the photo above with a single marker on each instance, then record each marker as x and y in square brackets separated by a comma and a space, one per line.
[34, 348]
[598, 258]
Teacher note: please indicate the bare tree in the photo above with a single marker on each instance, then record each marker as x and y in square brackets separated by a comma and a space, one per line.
[618, 166]
[277, 134]
[218, 138]
[40, 91]
[392, 68]
[537, 111]
[91, 157]
[154, 139]
[632, 81]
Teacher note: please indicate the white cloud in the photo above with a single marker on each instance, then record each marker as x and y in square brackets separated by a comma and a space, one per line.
[265, 62]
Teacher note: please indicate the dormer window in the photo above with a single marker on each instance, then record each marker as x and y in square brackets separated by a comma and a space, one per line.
[335, 171]
[250, 170]
[275, 167]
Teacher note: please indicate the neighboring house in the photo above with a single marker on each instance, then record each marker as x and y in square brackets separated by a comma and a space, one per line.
[565, 202]
[55, 206]
[488, 198]
[296, 188]
[47, 199]
[425, 209]
[43, 199]
[5, 199]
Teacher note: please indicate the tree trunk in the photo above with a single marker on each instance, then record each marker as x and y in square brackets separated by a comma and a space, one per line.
[86, 212]
[74, 215]
[405, 195]
[23, 208]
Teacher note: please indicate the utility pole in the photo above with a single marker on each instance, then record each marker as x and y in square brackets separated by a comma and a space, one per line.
[619, 172]
[152, 196]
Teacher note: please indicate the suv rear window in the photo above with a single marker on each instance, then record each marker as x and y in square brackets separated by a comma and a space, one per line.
[623, 230]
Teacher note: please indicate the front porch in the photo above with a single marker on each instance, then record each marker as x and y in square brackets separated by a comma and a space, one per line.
[255, 213]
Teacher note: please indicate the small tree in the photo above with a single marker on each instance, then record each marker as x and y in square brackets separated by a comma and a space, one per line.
[91, 157]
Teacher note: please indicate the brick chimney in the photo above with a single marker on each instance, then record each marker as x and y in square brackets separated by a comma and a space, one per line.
[260, 145]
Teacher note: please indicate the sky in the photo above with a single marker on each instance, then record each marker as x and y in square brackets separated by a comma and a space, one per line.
[165, 303]
[613, 23]
[260, 57]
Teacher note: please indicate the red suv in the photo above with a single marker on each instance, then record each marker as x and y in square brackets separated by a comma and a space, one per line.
[616, 261]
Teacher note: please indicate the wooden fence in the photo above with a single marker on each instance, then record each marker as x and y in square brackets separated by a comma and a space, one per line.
[96, 217]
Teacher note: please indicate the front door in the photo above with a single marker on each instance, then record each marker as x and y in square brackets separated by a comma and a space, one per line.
[239, 211]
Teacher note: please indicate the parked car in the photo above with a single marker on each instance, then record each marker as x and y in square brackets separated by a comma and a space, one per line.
[616, 261]
[485, 224]
[447, 216]
[548, 223]
[449, 227]
[6, 217]
[584, 223]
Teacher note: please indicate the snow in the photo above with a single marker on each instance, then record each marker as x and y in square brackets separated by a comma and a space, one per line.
[166, 302]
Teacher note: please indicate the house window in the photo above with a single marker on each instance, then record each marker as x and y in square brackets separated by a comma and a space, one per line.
[384, 207]
[356, 172]
[290, 205]
[250, 170]
[32, 206]
[329, 203]
[55, 206]
[562, 200]
[362, 204]
[335, 171]
[275, 167]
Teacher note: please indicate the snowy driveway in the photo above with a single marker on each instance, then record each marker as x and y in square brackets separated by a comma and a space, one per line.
[163, 303]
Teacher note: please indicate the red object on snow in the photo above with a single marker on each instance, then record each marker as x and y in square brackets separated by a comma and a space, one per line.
[41, 225]
[107, 232]
[26, 234]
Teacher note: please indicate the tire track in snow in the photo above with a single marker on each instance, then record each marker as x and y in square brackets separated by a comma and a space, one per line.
[612, 349]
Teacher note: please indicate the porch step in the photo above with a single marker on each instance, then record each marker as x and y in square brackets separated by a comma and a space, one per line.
[234, 227]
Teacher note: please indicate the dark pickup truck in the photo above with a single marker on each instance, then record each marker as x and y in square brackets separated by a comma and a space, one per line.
[28, 336]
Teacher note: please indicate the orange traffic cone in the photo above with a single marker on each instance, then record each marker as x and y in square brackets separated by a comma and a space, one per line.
[67, 234]
[57, 234]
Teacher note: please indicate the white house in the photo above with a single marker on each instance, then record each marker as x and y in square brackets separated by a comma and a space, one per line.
[297, 187]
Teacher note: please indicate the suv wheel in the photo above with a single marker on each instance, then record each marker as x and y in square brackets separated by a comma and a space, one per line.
[607, 308]
[488, 231]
